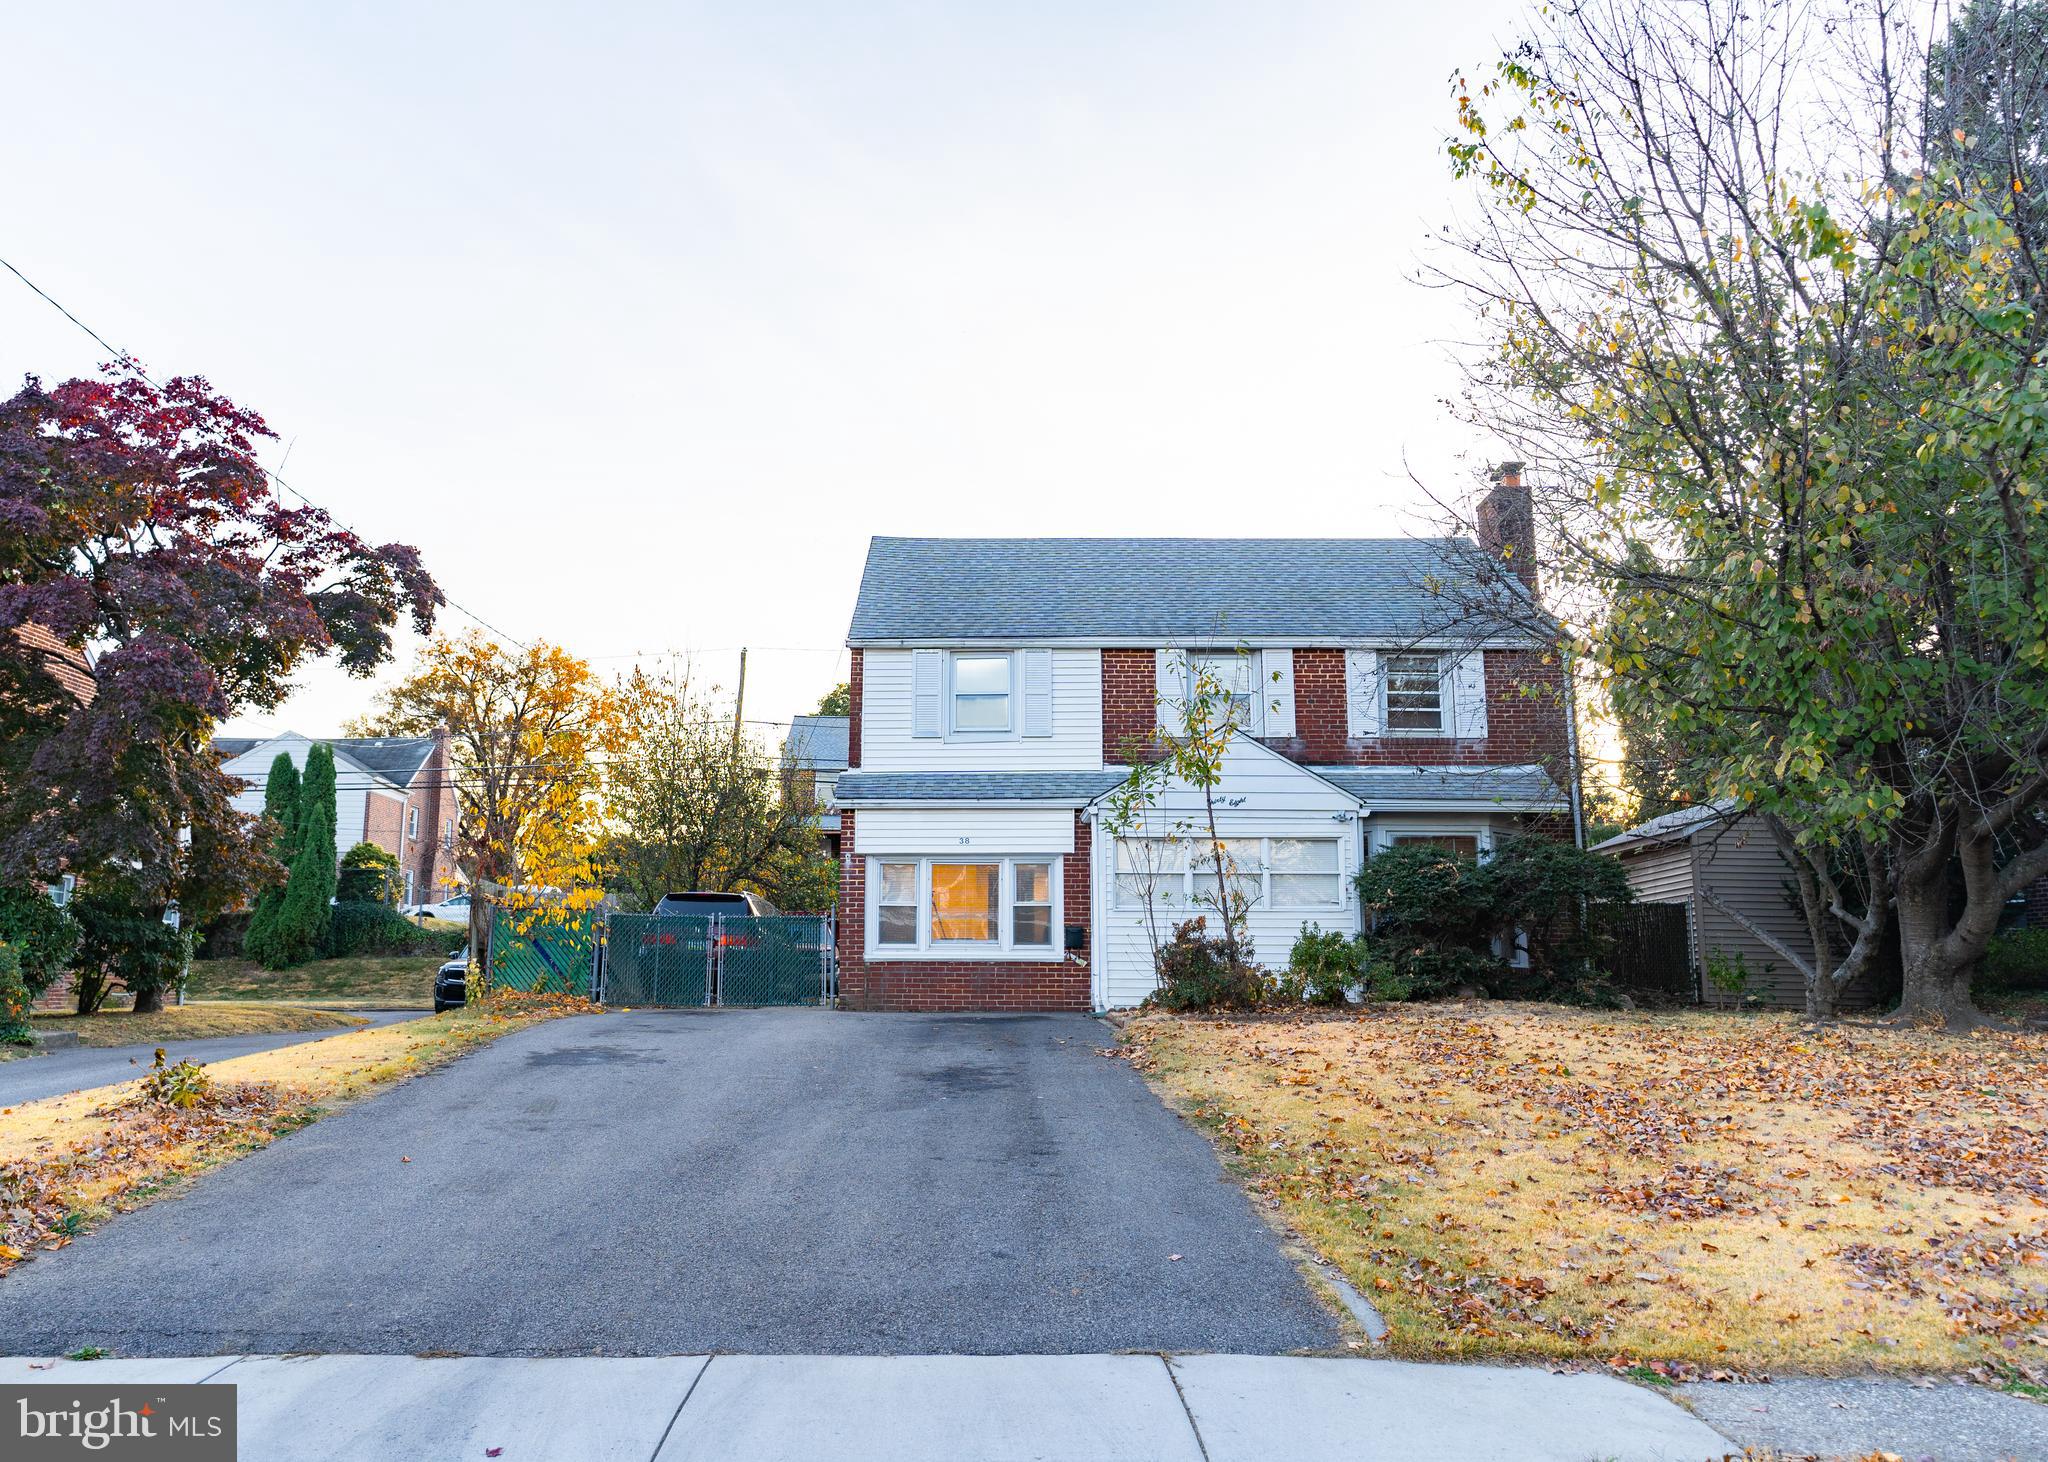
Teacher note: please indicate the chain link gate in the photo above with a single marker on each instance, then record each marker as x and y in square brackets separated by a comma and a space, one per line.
[718, 959]
[544, 950]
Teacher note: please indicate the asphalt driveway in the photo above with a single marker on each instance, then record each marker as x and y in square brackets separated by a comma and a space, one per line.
[82, 1067]
[660, 1183]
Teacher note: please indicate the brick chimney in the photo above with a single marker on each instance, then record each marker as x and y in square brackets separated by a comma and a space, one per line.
[1507, 523]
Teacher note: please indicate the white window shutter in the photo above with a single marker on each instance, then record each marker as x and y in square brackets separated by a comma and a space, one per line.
[1361, 693]
[1037, 692]
[1173, 690]
[1276, 698]
[1468, 695]
[927, 673]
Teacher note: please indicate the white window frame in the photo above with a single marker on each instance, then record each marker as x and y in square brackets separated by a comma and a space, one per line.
[1446, 713]
[1256, 693]
[1188, 897]
[1012, 722]
[1003, 947]
[412, 823]
[1384, 838]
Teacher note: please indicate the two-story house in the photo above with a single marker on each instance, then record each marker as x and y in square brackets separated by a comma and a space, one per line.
[1002, 688]
[395, 791]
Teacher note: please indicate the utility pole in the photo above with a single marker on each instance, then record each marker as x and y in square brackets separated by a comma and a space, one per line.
[739, 700]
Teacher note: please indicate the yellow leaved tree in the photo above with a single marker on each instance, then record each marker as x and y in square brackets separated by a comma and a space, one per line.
[525, 725]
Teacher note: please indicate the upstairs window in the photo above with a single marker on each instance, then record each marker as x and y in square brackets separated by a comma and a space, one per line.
[412, 822]
[981, 692]
[1415, 695]
[1232, 673]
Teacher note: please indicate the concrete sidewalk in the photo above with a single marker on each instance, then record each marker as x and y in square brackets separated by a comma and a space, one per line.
[1065, 1408]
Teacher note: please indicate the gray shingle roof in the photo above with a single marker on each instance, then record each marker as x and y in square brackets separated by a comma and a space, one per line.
[1072, 787]
[1166, 588]
[1673, 827]
[395, 758]
[1516, 788]
[817, 743]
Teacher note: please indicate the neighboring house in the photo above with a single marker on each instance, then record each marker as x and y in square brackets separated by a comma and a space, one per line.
[1719, 862]
[812, 759]
[1000, 688]
[394, 791]
[72, 670]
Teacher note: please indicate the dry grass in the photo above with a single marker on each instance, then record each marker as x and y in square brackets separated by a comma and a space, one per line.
[381, 982]
[190, 1022]
[1717, 1191]
[69, 1161]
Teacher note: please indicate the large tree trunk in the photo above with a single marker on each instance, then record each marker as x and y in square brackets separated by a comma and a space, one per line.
[1939, 955]
[148, 1000]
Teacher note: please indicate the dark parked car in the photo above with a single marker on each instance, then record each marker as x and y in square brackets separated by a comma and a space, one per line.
[739, 905]
[451, 982]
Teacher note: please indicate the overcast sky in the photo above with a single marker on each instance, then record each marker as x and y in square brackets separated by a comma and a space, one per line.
[639, 321]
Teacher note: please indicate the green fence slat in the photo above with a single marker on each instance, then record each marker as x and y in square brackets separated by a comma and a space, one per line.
[543, 950]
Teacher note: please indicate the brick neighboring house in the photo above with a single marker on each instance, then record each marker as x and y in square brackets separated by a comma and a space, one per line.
[394, 791]
[71, 669]
[1001, 687]
[812, 759]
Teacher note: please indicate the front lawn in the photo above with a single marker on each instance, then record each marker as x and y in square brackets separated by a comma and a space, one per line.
[67, 1162]
[364, 982]
[1720, 1191]
[191, 1022]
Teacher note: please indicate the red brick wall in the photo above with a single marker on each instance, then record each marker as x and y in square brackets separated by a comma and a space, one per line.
[1130, 701]
[383, 822]
[1525, 717]
[958, 984]
[431, 861]
[853, 676]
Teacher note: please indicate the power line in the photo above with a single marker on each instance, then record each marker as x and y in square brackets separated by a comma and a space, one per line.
[124, 355]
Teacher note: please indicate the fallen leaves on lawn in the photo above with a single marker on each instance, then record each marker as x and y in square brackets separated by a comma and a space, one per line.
[1709, 1190]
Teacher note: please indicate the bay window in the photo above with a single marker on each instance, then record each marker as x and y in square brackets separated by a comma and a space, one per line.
[975, 908]
[1266, 873]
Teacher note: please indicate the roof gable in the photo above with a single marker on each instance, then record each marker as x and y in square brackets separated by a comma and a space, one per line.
[1171, 590]
[817, 743]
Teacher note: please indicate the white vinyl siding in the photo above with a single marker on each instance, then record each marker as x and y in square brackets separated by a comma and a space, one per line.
[899, 703]
[964, 829]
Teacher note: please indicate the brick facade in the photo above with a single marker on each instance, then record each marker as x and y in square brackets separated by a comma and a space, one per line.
[1525, 714]
[853, 674]
[431, 854]
[967, 984]
[1130, 700]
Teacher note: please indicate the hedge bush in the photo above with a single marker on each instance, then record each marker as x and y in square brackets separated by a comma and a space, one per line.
[1197, 973]
[2016, 960]
[41, 935]
[358, 928]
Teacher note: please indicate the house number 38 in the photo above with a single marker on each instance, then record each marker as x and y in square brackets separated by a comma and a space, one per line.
[965, 841]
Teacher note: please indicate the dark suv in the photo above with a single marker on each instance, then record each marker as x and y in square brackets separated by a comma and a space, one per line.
[740, 905]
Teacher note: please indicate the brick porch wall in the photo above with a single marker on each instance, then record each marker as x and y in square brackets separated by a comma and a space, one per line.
[957, 984]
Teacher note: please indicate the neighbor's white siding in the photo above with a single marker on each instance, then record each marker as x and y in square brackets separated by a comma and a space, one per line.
[351, 796]
[886, 743]
[938, 831]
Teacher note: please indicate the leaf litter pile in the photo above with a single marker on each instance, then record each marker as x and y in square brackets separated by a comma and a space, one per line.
[68, 1162]
[1696, 1194]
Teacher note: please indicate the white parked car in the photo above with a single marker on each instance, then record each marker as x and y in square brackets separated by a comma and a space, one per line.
[455, 907]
